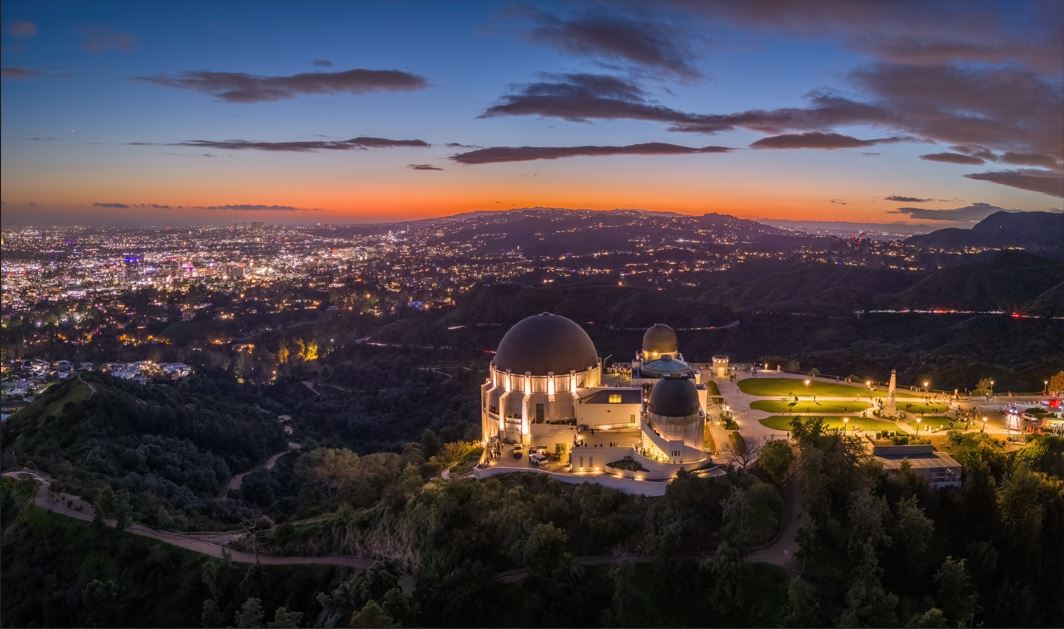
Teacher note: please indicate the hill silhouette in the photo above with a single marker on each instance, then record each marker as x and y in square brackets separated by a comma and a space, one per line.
[1032, 230]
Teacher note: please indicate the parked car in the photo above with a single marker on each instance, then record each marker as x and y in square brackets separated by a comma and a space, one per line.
[519, 451]
[542, 450]
[537, 458]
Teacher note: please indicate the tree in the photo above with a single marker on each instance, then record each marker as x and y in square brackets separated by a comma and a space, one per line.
[430, 443]
[101, 602]
[740, 452]
[372, 615]
[931, 618]
[984, 386]
[802, 604]
[956, 596]
[727, 568]
[282, 619]
[105, 503]
[911, 534]
[776, 459]
[122, 509]
[211, 615]
[1056, 383]
[546, 551]
[250, 613]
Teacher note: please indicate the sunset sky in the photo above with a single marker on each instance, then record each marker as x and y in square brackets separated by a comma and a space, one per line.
[181, 112]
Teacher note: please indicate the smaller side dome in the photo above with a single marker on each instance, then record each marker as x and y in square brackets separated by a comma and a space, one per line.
[674, 397]
[660, 339]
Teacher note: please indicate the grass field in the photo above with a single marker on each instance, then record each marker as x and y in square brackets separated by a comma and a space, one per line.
[783, 422]
[775, 387]
[920, 407]
[807, 406]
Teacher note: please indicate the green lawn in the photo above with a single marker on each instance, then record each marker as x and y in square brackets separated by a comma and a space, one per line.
[775, 387]
[783, 422]
[921, 408]
[807, 406]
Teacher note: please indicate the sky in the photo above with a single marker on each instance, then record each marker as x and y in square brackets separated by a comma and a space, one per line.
[299, 112]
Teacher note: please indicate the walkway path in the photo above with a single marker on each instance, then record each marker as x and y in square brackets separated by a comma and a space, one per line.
[783, 549]
[238, 479]
[212, 544]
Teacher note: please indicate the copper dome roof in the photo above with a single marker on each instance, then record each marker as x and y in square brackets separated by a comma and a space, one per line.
[661, 339]
[545, 343]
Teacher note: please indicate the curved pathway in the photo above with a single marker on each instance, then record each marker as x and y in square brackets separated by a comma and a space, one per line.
[237, 480]
[210, 544]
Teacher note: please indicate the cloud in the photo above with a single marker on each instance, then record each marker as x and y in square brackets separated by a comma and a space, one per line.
[238, 87]
[322, 63]
[1044, 181]
[585, 97]
[952, 158]
[639, 40]
[981, 152]
[239, 207]
[968, 214]
[817, 140]
[1030, 159]
[250, 207]
[22, 28]
[913, 32]
[902, 199]
[11, 72]
[301, 146]
[100, 39]
[498, 154]
[582, 97]
[981, 108]
[837, 202]
[423, 167]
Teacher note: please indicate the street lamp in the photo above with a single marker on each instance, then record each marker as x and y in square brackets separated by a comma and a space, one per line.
[917, 427]
[1045, 387]
[845, 424]
[983, 429]
[807, 381]
[926, 385]
[991, 387]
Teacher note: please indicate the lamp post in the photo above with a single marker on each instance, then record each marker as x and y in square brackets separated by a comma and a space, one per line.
[1045, 387]
[845, 424]
[991, 388]
[917, 427]
[983, 429]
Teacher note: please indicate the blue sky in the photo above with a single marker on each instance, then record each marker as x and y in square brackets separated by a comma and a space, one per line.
[957, 103]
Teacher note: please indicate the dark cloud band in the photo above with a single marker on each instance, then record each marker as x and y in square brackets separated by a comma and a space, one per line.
[237, 87]
[498, 154]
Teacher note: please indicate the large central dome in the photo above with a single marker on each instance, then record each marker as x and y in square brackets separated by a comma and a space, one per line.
[545, 343]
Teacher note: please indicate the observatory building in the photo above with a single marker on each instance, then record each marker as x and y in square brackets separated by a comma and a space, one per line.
[547, 390]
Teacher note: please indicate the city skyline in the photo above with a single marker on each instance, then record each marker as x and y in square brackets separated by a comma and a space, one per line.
[934, 112]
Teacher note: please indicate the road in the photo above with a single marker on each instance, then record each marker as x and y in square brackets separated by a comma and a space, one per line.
[211, 544]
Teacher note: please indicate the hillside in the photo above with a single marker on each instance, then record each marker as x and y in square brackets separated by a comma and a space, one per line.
[1007, 280]
[1031, 230]
[169, 446]
[618, 306]
[811, 288]
[553, 231]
